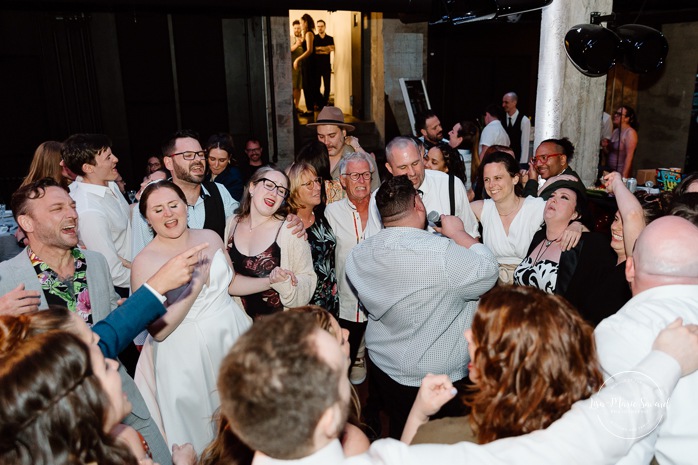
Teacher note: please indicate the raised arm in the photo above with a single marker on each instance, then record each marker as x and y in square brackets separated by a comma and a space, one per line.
[629, 209]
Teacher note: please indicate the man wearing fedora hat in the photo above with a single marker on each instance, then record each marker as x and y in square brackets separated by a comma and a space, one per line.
[332, 131]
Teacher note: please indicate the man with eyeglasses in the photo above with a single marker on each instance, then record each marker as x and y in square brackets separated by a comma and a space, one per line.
[348, 218]
[210, 204]
[420, 291]
[551, 160]
[255, 158]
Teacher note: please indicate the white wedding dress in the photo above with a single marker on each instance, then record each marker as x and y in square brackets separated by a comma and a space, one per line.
[177, 377]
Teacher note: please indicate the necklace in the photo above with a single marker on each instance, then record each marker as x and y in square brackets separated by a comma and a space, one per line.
[516, 207]
[260, 224]
[546, 245]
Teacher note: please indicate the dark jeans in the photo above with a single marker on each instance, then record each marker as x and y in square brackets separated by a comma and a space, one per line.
[397, 399]
[324, 73]
[356, 333]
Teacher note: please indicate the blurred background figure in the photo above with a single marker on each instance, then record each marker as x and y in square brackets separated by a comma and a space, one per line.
[222, 167]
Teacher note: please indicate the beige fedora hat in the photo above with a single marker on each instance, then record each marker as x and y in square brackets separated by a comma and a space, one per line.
[331, 115]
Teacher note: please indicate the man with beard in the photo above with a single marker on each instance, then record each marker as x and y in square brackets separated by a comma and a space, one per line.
[435, 283]
[210, 204]
[332, 131]
[53, 270]
[429, 130]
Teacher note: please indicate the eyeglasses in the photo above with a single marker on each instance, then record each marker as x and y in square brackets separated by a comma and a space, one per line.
[366, 175]
[310, 184]
[190, 155]
[271, 186]
[619, 113]
[544, 158]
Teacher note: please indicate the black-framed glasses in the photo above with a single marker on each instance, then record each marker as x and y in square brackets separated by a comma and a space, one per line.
[271, 186]
[190, 155]
[366, 175]
[310, 184]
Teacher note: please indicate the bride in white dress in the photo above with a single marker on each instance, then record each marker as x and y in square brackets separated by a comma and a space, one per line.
[178, 367]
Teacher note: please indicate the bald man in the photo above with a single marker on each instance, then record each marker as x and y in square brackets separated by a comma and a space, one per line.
[663, 275]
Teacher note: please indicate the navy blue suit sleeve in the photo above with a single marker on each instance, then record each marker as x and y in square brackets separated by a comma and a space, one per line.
[127, 321]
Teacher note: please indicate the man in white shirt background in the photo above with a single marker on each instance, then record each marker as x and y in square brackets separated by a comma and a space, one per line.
[518, 128]
[493, 133]
[105, 216]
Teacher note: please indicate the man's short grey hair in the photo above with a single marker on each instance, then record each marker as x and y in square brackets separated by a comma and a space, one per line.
[355, 156]
[400, 142]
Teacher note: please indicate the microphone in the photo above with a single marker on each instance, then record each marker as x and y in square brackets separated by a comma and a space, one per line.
[434, 217]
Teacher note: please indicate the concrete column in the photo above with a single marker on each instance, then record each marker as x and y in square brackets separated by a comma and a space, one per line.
[569, 104]
[377, 111]
[282, 121]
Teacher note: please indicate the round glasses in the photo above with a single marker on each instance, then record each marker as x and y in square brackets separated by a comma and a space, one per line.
[311, 184]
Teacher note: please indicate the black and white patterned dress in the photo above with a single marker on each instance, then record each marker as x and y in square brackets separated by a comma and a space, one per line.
[542, 274]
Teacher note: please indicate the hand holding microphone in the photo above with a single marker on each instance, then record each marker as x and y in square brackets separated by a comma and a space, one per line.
[434, 218]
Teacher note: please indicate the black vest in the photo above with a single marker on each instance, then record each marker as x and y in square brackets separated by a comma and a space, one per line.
[214, 209]
[514, 133]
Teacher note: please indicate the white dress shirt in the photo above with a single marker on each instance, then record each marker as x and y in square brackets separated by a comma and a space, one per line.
[493, 134]
[104, 225]
[345, 221]
[525, 135]
[435, 198]
[624, 338]
[577, 438]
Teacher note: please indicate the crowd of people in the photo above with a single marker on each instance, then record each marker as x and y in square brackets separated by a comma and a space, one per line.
[245, 301]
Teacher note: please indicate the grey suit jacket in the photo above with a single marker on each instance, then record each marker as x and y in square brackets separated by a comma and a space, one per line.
[103, 299]
[102, 295]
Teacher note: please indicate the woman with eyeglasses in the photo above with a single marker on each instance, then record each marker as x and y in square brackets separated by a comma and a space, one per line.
[306, 202]
[260, 246]
[620, 150]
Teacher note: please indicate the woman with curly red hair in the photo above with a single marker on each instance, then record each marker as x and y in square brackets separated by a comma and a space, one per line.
[532, 357]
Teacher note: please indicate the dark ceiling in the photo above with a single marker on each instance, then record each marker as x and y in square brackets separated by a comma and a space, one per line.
[627, 11]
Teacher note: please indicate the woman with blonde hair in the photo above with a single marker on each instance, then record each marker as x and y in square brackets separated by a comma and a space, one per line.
[306, 202]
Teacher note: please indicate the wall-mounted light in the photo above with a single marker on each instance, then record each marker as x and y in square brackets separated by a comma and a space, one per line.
[594, 49]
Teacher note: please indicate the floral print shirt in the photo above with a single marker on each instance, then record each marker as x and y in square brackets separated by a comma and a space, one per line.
[71, 292]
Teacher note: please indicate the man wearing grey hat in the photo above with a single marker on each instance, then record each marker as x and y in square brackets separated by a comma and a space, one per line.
[332, 131]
